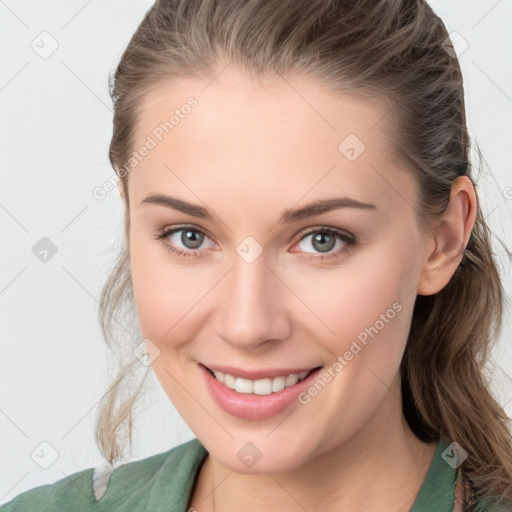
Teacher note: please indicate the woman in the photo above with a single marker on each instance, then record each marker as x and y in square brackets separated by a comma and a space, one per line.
[310, 269]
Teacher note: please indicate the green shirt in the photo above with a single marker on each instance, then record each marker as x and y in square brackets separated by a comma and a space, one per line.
[164, 482]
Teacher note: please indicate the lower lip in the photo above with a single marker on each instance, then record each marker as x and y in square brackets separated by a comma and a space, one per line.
[250, 406]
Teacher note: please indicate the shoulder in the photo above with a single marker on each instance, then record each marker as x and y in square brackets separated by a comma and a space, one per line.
[45, 497]
[491, 506]
[481, 502]
[128, 484]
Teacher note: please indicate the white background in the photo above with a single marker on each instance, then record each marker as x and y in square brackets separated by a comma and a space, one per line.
[55, 130]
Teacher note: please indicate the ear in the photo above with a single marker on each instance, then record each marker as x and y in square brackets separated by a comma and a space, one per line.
[450, 237]
[120, 186]
[126, 209]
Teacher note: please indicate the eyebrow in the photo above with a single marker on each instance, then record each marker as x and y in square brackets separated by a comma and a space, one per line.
[288, 216]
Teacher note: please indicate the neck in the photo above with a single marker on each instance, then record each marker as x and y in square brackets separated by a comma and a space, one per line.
[381, 467]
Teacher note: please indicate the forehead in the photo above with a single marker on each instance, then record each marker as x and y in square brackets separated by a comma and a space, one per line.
[235, 133]
[276, 107]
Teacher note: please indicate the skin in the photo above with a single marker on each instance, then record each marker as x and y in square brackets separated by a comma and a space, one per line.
[248, 151]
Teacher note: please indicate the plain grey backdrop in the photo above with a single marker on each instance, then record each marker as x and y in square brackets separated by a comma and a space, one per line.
[55, 129]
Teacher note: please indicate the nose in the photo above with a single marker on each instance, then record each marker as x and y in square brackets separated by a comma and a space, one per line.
[252, 305]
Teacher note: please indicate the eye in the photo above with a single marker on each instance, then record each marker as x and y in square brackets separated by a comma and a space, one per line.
[183, 240]
[187, 241]
[324, 240]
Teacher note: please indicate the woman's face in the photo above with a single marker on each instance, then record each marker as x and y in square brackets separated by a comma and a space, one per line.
[265, 283]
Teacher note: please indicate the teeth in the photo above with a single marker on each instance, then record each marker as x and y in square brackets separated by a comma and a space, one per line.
[278, 384]
[220, 376]
[259, 387]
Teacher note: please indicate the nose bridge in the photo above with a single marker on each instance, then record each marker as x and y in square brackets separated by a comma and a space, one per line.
[251, 305]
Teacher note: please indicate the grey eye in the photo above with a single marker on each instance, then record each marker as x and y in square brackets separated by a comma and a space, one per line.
[323, 242]
[191, 238]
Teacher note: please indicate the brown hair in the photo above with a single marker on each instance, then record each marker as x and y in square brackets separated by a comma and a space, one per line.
[390, 50]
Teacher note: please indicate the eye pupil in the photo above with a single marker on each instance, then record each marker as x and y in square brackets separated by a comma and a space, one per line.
[193, 237]
[321, 237]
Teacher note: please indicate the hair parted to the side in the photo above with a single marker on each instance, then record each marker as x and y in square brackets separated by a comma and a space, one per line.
[386, 50]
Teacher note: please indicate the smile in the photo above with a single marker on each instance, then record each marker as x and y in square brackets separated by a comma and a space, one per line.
[264, 386]
[256, 399]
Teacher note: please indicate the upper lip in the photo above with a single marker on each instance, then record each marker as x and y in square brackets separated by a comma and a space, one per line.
[267, 373]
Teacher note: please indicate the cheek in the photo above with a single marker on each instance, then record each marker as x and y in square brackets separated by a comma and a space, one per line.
[169, 297]
[166, 299]
[160, 289]
[362, 309]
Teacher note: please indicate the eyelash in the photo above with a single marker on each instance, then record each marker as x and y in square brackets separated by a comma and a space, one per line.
[349, 241]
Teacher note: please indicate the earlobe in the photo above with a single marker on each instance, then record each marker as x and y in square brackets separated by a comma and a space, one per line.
[450, 237]
[120, 187]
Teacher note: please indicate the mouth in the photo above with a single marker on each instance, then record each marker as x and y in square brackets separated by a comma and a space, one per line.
[258, 398]
[275, 381]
